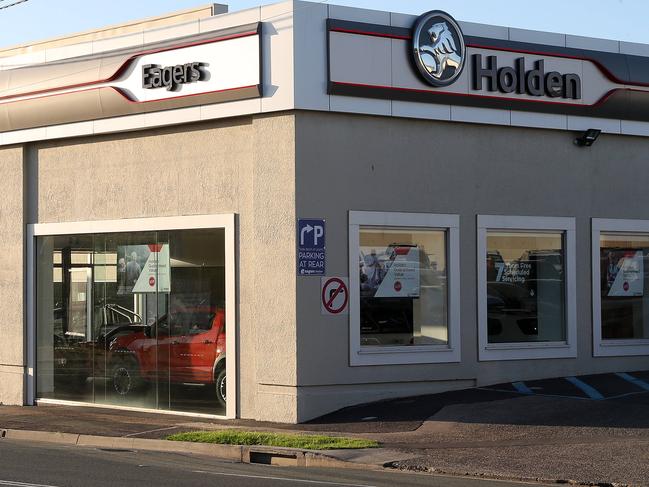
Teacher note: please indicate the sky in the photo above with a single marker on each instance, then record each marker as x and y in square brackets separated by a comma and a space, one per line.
[611, 19]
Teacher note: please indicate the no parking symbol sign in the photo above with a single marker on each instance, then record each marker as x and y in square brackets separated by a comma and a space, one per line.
[334, 295]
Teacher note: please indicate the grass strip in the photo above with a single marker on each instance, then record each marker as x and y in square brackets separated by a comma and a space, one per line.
[307, 442]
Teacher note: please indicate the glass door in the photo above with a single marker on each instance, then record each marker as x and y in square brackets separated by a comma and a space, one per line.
[133, 319]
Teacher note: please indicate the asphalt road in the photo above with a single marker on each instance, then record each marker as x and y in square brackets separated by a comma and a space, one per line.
[24, 464]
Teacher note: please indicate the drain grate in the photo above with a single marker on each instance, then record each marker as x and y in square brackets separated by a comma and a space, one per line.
[273, 458]
[116, 450]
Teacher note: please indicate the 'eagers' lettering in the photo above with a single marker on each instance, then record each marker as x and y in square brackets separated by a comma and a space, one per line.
[171, 77]
[535, 82]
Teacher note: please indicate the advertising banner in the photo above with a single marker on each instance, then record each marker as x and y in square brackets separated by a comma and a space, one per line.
[391, 273]
[515, 272]
[143, 269]
[516, 280]
[624, 273]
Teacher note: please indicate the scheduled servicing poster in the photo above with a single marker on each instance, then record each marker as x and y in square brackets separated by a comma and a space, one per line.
[392, 272]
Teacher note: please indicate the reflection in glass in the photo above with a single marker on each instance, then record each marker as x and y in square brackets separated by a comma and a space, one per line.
[525, 287]
[623, 271]
[403, 287]
[133, 319]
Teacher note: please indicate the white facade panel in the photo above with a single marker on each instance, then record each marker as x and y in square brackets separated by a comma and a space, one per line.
[359, 14]
[484, 30]
[310, 56]
[537, 37]
[277, 57]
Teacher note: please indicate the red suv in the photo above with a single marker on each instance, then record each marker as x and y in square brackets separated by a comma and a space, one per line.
[188, 345]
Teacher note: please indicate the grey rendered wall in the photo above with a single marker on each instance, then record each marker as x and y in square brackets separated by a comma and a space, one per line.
[244, 166]
[354, 162]
[12, 359]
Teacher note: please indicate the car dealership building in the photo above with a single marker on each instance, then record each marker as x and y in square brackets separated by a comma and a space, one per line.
[353, 204]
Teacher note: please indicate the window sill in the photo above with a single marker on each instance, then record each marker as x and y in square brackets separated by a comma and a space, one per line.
[367, 350]
[622, 348]
[527, 351]
[526, 345]
[430, 354]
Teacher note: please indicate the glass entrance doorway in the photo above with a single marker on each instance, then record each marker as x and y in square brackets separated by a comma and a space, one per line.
[133, 319]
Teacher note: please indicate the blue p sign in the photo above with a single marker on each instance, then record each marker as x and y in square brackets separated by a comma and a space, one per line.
[311, 247]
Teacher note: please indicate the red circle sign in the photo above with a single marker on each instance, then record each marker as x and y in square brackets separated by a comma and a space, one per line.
[626, 286]
[397, 286]
[330, 291]
[151, 281]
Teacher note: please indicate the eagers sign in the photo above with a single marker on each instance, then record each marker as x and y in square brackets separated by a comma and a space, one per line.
[172, 77]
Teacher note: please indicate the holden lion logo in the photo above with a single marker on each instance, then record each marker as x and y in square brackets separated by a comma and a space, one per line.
[438, 46]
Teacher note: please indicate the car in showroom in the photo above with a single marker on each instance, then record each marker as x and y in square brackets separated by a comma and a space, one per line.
[182, 347]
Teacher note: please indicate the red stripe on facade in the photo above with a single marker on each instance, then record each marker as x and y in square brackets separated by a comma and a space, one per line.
[369, 33]
[491, 97]
[131, 100]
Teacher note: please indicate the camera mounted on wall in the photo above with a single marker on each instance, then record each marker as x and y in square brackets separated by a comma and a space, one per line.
[588, 138]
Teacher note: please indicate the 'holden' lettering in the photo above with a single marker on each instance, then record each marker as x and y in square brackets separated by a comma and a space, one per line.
[535, 82]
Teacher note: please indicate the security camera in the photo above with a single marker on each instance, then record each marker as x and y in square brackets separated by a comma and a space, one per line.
[588, 138]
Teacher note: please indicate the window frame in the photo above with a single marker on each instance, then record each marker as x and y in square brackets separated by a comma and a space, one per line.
[226, 221]
[528, 350]
[422, 354]
[603, 347]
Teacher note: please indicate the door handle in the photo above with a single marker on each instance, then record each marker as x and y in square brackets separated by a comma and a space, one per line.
[175, 342]
[207, 342]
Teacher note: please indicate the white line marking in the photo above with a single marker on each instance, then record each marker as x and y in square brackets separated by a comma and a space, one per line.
[534, 393]
[588, 390]
[22, 484]
[625, 395]
[150, 431]
[634, 380]
[565, 397]
[522, 388]
[285, 479]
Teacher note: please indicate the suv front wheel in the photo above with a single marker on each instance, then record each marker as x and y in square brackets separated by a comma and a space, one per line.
[125, 374]
[220, 387]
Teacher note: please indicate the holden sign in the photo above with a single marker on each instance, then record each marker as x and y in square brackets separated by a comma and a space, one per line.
[435, 59]
[438, 46]
[439, 53]
[535, 82]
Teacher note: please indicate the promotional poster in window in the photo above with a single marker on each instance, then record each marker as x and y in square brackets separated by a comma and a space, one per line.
[143, 269]
[624, 272]
[507, 275]
[525, 296]
[392, 272]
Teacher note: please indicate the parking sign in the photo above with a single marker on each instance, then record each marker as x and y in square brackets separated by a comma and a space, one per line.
[311, 255]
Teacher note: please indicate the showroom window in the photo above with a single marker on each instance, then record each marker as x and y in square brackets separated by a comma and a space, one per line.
[132, 318]
[620, 279]
[526, 287]
[404, 288]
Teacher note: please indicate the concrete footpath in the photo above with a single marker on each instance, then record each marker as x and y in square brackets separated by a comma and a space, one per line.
[553, 432]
